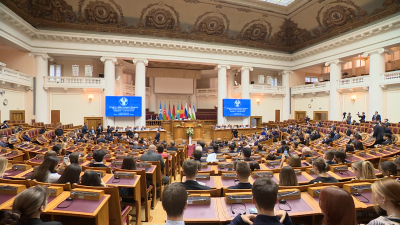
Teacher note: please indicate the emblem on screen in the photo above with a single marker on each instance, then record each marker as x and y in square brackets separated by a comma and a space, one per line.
[123, 101]
[237, 103]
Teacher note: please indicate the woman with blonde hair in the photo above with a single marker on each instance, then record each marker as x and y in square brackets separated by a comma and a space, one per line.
[3, 166]
[287, 177]
[320, 168]
[294, 161]
[385, 193]
[363, 170]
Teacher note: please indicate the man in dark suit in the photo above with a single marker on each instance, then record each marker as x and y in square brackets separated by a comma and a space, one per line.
[379, 131]
[157, 137]
[247, 154]
[190, 168]
[84, 128]
[101, 139]
[327, 140]
[388, 139]
[234, 133]
[59, 132]
[3, 141]
[172, 148]
[337, 135]
[386, 123]
[151, 155]
[136, 146]
[5, 125]
[99, 129]
[348, 131]
[242, 174]
[109, 129]
[376, 117]
[280, 150]
[98, 156]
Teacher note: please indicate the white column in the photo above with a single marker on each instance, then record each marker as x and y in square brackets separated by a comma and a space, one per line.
[376, 68]
[193, 98]
[246, 88]
[334, 96]
[231, 82]
[42, 71]
[109, 78]
[221, 91]
[286, 98]
[152, 99]
[140, 88]
[119, 72]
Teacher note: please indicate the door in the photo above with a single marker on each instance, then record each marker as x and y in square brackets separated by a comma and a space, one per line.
[300, 114]
[93, 121]
[320, 115]
[17, 115]
[55, 116]
[277, 115]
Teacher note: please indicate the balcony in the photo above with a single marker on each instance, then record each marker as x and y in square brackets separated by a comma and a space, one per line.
[353, 82]
[73, 82]
[388, 78]
[311, 88]
[15, 78]
[237, 89]
[266, 89]
[207, 92]
[128, 89]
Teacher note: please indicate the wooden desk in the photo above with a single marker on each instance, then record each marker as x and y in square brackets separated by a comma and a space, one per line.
[204, 213]
[69, 216]
[151, 174]
[128, 183]
[225, 183]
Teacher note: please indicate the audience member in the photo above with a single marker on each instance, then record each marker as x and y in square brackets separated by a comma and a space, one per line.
[388, 168]
[71, 174]
[349, 148]
[74, 158]
[128, 163]
[3, 166]
[363, 170]
[160, 150]
[385, 193]
[294, 161]
[397, 162]
[197, 154]
[150, 155]
[172, 147]
[340, 157]
[98, 156]
[320, 169]
[288, 177]
[254, 166]
[49, 153]
[328, 156]
[242, 175]
[387, 139]
[247, 154]
[92, 178]
[174, 203]
[190, 169]
[47, 172]
[337, 206]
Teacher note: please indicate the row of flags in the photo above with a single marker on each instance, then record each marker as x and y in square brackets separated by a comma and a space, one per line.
[180, 113]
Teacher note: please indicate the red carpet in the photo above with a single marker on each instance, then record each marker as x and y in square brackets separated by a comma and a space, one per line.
[191, 149]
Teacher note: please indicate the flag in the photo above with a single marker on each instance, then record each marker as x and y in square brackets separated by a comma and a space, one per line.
[190, 112]
[164, 113]
[186, 114]
[160, 113]
[182, 116]
[173, 111]
[193, 112]
[169, 111]
[178, 112]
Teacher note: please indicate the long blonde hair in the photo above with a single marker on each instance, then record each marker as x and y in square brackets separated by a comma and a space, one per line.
[3, 165]
[389, 188]
[366, 168]
[287, 177]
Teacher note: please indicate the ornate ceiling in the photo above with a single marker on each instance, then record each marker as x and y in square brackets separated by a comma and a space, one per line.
[250, 23]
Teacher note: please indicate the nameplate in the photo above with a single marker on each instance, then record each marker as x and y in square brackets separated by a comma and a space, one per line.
[263, 174]
[39, 156]
[297, 172]
[202, 177]
[225, 165]
[199, 200]
[256, 157]
[289, 194]
[90, 154]
[21, 167]
[55, 191]
[133, 153]
[120, 156]
[143, 165]
[357, 187]
[311, 159]
[124, 175]
[81, 160]
[361, 153]
[340, 168]
[5, 150]
[11, 189]
[273, 162]
[204, 165]
[116, 163]
[349, 155]
[315, 191]
[220, 159]
[373, 152]
[238, 198]
[228, 176]
[87, 194]
[119, 152]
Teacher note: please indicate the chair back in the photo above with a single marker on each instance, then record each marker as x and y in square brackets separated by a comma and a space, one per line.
[114, 206]
[212, 192]
[143, 182]
[9, 181]
[300, 187]
[107, 169]
[66, 187]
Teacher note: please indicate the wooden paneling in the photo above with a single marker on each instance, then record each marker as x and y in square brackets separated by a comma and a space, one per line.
[93, 121]
[55, 116]
[300, 114]
[277, 115]
[320, 115]
[17, 115]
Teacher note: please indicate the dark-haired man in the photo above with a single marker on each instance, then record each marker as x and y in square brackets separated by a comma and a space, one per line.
[242, 174]
[172, 147]
[174, 203]
[247, 153]
[98, 156]
[5, 125]
[265, 196]
[190, 168]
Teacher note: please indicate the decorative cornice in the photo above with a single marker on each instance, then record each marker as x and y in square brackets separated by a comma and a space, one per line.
[106, 58]
[220, 66]
[336, 61]
[377, 51]
[286, 72]
[145, 61]
[43, 55]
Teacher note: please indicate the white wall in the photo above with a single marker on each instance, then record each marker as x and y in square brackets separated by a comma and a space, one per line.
[16, 101]
[266, 108]
[360, 104]
[206, 103]
[75, 106]
[393, 106]
[318, 103]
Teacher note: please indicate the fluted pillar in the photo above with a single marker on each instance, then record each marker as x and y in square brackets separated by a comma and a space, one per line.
[109, 78]
[246, 88]
[334, 96]
[152, 98]
[140, 88]
[221, 91]
[41, 111]
[230, 83]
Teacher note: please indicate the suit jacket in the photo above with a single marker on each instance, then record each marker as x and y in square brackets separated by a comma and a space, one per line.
[97, 165]
[376, 117]
[327, 141]
[348, 132]
[59, 132]
[387, 124]
[387, 142]
[101, 140]
[152, 156]
[36, 221]
[84, 129]
[241, 186]
[99, 130]
[2, 144]
[378, 133]
[172, 149]
[194, 185]
[337, 136]
[157, 138]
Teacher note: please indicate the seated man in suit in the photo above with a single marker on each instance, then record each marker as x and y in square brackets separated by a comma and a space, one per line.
[242, 174]
[348, 131]
[386, 123]
[328, 156]
[5, 125]
[172, 148]
[280, 150]
[174, 203]
[337, 135]
[59, 132]
[109, 130]
[387, 139]
[190, 168]
[84, 129]
[260, 148]
[197, 154]
[340, 157]
[151, 155]
[247, 153]
[98, 156]
[136, 146]
[327, 140]
[232, 148]
[3, 141]
[101, 139]
[25, 137]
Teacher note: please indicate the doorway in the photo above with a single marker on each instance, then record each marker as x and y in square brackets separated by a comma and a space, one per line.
[300, 114]
[320, 115]
[277, 115]
[55, 116]
[256, 120]
[17, 115]
[93, 121]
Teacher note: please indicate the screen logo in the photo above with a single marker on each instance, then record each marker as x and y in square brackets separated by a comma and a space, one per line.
[123, 101]
[237, 103]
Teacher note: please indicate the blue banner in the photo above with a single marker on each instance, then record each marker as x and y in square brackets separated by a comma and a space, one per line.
[237, 107]
[123, 106]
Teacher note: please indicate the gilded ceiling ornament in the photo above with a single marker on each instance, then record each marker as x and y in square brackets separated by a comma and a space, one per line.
[159, 16]
[53, 10]
[192, 1]
[212, 23]
[243, 10]
[256, 30]
[290, 34]
[100, 12]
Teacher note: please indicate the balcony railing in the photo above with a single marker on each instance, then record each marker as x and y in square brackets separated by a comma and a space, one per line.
[390, 78]
[206, 92]
[129, 89]
[266, 89]
[311, 88]
[14, 77]
[353, 82]
[73, 82]
[237, 89]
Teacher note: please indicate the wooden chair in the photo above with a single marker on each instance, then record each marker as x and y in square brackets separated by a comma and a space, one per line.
[66, 187]
[300, 187]
[8, 181]
[212, 192]
[107, 169]
[159, 178]
[116, 216]
[145, 192]
[234, 191]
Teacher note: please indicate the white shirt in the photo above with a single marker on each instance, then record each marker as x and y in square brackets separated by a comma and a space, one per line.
[53, 177]
[212, 157]
[170, 222]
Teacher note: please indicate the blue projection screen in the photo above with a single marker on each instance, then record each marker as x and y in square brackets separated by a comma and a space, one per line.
[123, 106]
[237, 107]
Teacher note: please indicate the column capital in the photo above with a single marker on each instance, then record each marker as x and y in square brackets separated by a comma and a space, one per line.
[43, 55]
[287, 72]
[119, 64]
[336, 61]
[2, 64]
[105, 58]
[377, 51]
[220, 66]
[145, 61]
[243, 68]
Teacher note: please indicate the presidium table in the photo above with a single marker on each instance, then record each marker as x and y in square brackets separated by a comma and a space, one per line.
[226, 134]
